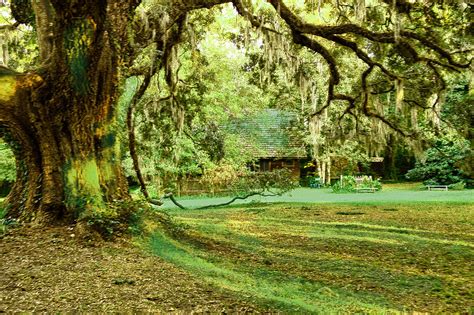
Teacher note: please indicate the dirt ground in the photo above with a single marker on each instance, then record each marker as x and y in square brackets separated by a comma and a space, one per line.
[50, 270]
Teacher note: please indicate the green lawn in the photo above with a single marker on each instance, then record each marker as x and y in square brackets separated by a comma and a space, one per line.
[330, 258]
[394, 193]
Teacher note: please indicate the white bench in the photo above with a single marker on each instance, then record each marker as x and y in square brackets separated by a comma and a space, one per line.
[437, 187]
[366, 190]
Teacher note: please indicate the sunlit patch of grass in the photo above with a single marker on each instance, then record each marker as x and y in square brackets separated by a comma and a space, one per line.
[289, 292]
[403, 186]
[416, 257]
[361, 232]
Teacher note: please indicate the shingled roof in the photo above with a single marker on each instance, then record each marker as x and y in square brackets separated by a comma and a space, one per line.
[268, 134]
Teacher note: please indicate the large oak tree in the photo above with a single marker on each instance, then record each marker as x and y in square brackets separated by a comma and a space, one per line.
[62, 118]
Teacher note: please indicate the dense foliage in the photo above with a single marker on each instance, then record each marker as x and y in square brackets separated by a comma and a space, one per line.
[351, 184]
[442, 162]
[7, 164]
[7, 168]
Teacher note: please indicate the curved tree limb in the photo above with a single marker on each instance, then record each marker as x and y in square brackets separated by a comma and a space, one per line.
[9, 27]
[171, 197]
[171, 40]
[238, 198]
[326, 31]
[301, 31]
[259, 193]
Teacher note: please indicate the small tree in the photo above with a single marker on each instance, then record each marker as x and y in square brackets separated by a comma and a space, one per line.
[442, 162]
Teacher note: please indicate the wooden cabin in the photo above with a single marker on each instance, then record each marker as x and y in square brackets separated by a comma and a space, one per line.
[271, 139]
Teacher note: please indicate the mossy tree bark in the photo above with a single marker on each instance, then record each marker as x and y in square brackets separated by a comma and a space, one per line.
[62, 120]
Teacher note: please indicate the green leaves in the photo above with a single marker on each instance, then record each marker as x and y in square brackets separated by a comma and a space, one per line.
[7, 164]
[350, 184]
[441, 165]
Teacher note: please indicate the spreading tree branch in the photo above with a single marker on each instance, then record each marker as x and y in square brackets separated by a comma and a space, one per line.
[255, 193]
[148, 75]
[301, 32]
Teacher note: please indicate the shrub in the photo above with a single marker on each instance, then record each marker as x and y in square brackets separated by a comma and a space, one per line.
[368, 182]
[349, 184]
[346, 184]
[276, 182]
[121, 217]
[441, 164]
[458, 186]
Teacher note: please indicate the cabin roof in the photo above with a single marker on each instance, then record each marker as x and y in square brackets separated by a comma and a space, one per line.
[269, 134]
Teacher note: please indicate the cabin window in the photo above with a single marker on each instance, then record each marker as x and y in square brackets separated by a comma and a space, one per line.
[289, 163]
[265, 166]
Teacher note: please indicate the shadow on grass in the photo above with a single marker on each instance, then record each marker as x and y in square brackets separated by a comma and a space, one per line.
[269, 287]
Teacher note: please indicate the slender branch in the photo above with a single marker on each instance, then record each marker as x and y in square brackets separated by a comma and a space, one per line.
[255, 193]
[9, 27]
[361, 54]
[131, 135]
[238, 4]
[171, 197]
[391, 89]
[173, 39]
[131, 128]
[261, 193]
[431, 44]
[416, 103]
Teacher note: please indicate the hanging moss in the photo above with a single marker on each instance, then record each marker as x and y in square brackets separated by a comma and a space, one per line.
[361, 10]
[399, 95]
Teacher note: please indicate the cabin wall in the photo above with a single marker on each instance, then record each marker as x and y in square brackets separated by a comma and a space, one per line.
[268, 165]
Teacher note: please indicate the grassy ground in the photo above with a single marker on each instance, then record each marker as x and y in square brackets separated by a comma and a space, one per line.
[328, 258]
[397, 250]
[393, 193]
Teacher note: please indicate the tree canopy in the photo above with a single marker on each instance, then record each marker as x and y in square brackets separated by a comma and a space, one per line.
[355, 69]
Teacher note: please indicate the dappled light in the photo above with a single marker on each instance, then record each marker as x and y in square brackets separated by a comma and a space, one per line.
[236, 156]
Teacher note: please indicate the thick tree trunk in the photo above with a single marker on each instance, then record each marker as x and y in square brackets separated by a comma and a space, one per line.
[63, 120]
[68, 163]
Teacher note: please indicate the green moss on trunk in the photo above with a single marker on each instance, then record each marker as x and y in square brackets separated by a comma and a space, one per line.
[82, 187]
[7, 87]
[78, 39]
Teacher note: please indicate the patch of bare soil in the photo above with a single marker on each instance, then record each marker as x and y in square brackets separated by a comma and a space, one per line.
[50, 270]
